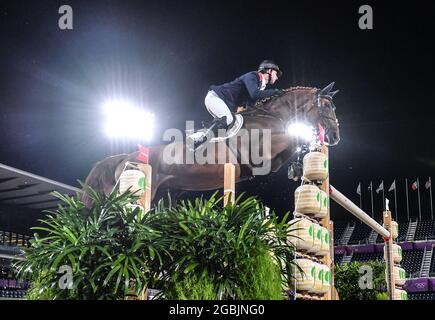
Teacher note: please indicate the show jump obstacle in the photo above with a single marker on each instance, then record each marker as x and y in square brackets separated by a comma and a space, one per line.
[137, 178]
[395, 276]
[314, 232]
[229, 183]
[314, 240]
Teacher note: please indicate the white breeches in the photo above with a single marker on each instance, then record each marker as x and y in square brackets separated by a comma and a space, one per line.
[217, 107]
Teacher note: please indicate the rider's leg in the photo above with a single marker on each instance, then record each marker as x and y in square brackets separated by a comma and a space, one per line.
[217, 107]
[222, 118]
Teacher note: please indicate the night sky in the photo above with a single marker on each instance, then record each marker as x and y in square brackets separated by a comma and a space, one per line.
[163, 55]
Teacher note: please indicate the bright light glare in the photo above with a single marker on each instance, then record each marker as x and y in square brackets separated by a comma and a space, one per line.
[301, 130]
[126, 121]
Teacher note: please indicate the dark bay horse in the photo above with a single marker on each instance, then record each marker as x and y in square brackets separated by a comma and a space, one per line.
[310, 105]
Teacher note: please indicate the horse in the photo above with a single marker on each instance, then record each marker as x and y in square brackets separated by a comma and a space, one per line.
[308, 104]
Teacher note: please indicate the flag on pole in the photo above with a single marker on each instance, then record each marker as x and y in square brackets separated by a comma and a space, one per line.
[393, 186]
[381, 187]
[358, 190]
[416, 186]
[371, 196]
[427, 184]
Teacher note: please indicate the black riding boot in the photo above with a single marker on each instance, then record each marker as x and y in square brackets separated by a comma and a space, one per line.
[218, 123]
[211, 131]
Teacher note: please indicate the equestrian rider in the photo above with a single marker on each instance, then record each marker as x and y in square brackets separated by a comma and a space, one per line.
[244, 90]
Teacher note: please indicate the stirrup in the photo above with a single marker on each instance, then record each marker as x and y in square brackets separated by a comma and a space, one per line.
[230, 126]
[232, 129]
[201, 137]
[212, 127]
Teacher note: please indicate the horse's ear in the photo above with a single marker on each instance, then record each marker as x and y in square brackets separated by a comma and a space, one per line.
[325, 90]
[333, 93]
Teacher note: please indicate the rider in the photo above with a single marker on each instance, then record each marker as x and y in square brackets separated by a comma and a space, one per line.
[244, 90]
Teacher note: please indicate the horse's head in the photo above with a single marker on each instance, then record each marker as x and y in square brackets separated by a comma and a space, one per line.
[309, 105]
[302, 104]
[324, 114]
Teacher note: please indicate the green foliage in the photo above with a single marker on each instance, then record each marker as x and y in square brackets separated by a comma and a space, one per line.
[108, 247]
[196, 250]
[40, 289]
[192, 287]
[260, 279]
[227, 245]
[347, 278]
[382, 296]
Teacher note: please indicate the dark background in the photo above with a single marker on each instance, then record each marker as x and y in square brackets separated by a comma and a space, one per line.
[163, 55]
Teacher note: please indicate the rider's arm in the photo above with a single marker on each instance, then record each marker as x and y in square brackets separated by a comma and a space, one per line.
[251, 82]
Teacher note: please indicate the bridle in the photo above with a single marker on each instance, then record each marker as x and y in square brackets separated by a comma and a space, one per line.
[322, 109]
[315, 103]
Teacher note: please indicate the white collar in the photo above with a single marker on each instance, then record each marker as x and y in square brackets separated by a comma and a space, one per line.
[263, 82]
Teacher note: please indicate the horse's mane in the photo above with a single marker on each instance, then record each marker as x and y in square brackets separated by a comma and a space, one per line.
[261, 102]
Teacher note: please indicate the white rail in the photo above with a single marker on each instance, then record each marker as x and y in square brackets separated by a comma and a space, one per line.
[338, 197]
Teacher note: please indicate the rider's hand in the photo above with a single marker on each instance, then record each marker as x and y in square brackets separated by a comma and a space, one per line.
[241, 109]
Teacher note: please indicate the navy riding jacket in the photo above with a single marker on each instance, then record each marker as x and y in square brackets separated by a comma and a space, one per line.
[244, 90]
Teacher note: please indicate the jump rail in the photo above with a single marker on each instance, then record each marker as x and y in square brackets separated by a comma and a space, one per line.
[341, 199]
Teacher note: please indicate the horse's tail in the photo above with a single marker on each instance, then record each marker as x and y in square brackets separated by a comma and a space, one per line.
[102, 177]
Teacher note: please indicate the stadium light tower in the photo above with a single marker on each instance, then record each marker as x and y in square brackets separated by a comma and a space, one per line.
[123, 120]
